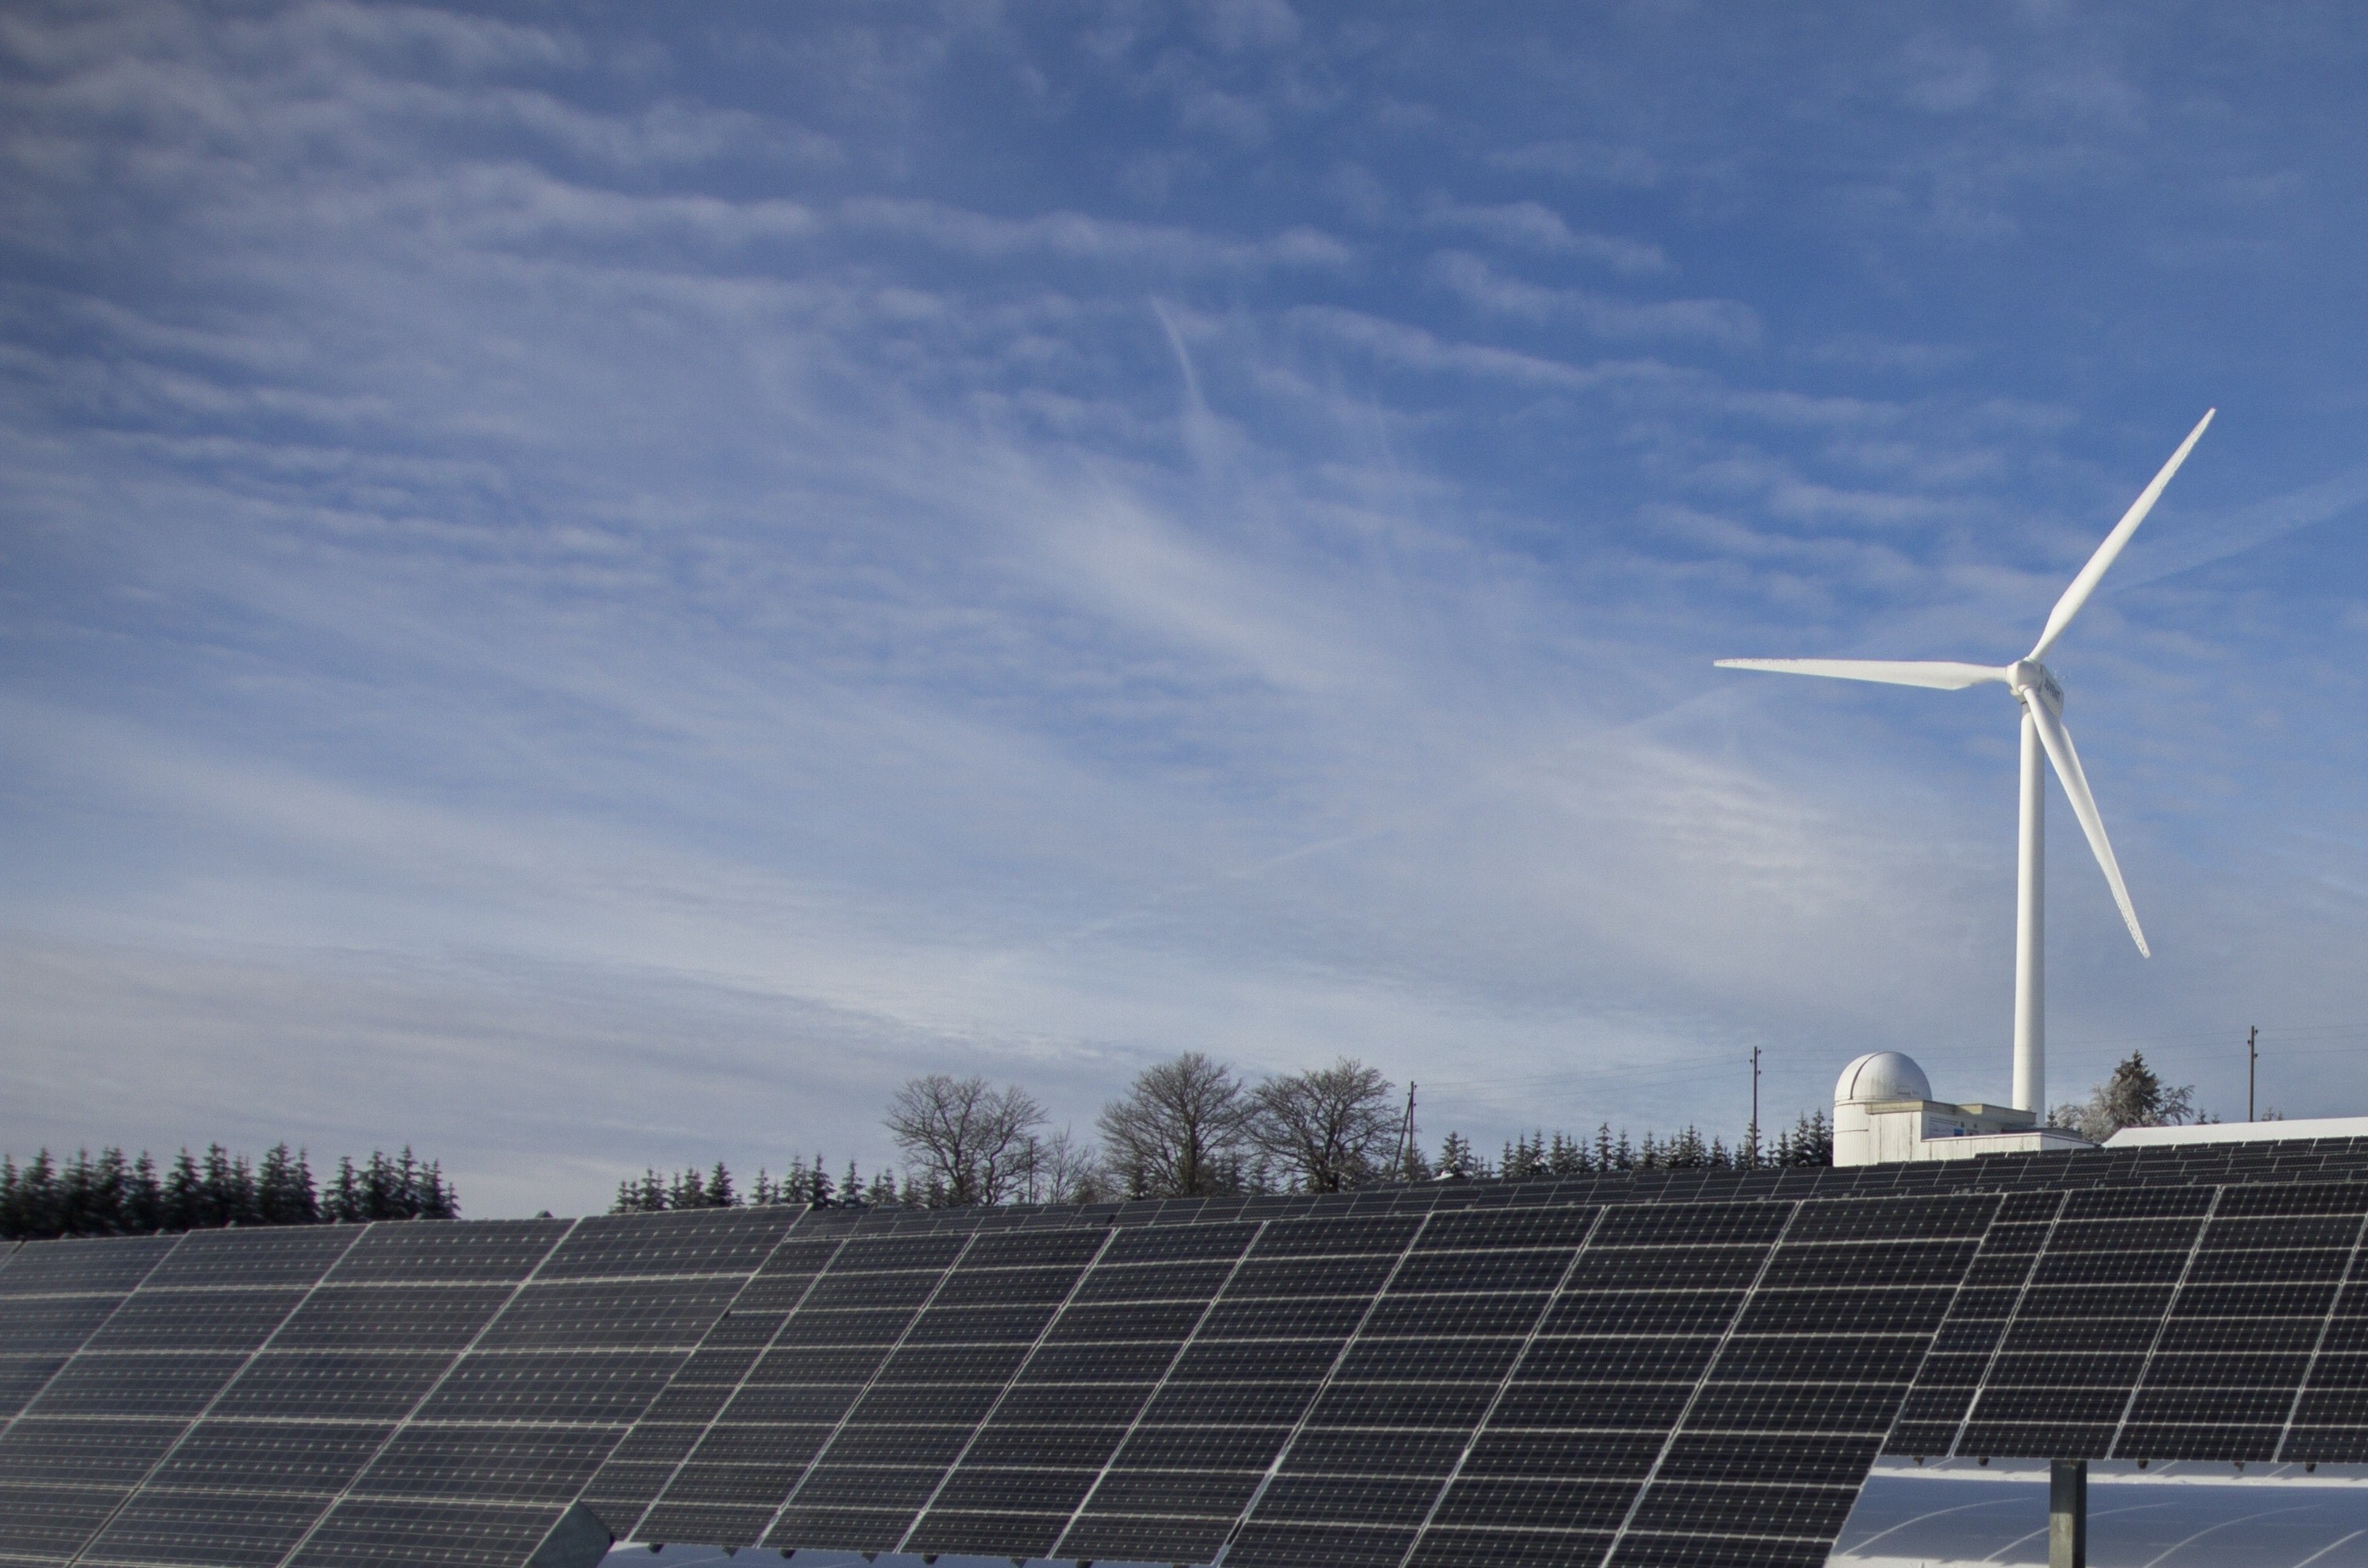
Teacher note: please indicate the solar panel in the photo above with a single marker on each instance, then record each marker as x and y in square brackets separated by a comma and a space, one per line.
[1611, 1368]
[197, 1311]
[596, 1317]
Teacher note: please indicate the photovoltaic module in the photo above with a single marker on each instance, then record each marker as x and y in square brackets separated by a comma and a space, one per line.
[1653, 1367]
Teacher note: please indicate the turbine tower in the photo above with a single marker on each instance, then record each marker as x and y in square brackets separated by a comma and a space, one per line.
[2041, 696]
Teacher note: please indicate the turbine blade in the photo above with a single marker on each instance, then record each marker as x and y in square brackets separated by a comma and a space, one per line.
[2058, 742]
[1940, 674]
[2086, 583]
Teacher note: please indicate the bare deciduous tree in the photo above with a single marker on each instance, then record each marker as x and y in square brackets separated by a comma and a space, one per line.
[967, 1140]
[1180, 1130]
[1066, 1169]
[1330, 1127]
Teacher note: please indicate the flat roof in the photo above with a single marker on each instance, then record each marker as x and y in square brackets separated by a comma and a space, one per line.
[2241, 1132]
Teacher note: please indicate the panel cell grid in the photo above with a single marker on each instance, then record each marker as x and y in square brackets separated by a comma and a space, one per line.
[1433, 1374]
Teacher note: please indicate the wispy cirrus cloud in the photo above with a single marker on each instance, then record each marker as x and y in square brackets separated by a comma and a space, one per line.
[1472, 279]
[1532, 225]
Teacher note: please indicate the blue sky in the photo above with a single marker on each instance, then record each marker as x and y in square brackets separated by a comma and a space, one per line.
[590, 586]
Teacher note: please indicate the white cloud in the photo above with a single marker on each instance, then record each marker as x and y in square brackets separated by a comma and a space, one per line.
[1470, 279]
[1532, 225]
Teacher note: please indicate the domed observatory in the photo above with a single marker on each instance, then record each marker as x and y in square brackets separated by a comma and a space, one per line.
[1885, 1112]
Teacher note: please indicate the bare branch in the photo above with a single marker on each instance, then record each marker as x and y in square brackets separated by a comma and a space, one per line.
[1180, 1131]
[967, 1140]
[1330, 1127]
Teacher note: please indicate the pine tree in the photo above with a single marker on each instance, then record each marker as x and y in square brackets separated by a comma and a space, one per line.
[1524, 1157]
[436, 1200]
[283, 1189]
[77, 1203]
[1809, 1142]
[346, 1201]
[33, 1196]
[406, 1186]
[144, 1199]
[184, 1196]
[382, 1187]
[719, 1194]
[850, 1189]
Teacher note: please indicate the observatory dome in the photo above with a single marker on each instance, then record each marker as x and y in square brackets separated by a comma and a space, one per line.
[1882, 1075]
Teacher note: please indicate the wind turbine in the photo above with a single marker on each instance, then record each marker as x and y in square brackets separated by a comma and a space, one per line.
[2041, 696]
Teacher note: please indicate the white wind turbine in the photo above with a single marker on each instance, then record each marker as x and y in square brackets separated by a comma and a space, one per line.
[2043, 728]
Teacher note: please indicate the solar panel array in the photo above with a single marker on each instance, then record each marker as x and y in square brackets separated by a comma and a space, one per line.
[393, 1392]
[1652, 1368]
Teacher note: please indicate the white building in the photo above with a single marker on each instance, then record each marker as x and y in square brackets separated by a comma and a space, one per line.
[1885, 1112]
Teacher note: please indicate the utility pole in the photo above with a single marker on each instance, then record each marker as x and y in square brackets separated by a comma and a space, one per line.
[2252, 1060]
[1405, 1137]
[1755, 1108]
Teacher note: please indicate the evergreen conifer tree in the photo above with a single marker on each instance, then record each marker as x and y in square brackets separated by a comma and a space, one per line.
[143, 1201]
[112, 1192]
[347, 1200]
[284, 1194]
[184, 1189]
[437, 1199]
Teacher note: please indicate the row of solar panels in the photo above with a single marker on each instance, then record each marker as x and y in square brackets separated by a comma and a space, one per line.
[1419, 1376]
[2325, 1159]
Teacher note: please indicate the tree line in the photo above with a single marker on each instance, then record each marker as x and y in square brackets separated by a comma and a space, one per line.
[1193, 1127]
[113, 1194]
[807, 1186]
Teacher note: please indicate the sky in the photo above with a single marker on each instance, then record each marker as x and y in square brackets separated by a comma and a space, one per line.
[597, 587]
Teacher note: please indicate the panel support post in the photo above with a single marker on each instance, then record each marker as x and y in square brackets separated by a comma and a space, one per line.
[2068, 1513]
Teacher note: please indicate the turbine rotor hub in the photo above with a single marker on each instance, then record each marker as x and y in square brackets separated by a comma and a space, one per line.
[2030, 675]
